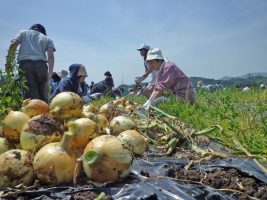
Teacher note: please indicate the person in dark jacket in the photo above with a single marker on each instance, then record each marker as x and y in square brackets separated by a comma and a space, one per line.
[54, 81]
[104, 87]
[72, 83]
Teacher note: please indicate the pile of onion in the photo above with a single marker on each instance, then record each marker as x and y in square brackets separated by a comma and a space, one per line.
[40, 130]
[66, 105]
[16, 168]
[106, 159]
[121, 123]
[13, 124]
[134, 140]
[55, 163]
[84, 130]
[5, 145]
[33, 107]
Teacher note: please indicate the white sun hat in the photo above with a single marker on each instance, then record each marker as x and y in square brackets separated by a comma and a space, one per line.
[143, 46]
[153, 54]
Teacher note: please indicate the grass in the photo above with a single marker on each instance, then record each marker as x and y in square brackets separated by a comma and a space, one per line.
[242, 115]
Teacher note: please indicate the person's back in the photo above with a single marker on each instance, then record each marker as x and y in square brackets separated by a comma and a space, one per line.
[33, 45]
[99, 87]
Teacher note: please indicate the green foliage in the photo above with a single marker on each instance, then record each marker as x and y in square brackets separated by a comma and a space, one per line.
[242, 115]
[11, 86]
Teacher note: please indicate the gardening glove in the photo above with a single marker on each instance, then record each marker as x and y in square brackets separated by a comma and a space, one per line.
[147, 104]
[138, 80]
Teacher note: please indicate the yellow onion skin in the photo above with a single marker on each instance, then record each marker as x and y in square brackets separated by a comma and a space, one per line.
[55, 162]
[66, 105]
[84, 130]
[40, 130]
[13, 124]
[134, 140]
[121, 123]
[113, 160]
[90, 108]
[100, 120]
[16, 168]
[5, 145]
[33, 107]
[108, 110]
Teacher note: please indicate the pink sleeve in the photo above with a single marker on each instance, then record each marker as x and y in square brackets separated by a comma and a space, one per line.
[166, 79]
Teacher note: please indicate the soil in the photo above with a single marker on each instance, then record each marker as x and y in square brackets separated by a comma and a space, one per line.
[46, 125]
[241, 185]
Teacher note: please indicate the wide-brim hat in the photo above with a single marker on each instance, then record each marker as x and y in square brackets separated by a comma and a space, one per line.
[154, 54]
[143, 46]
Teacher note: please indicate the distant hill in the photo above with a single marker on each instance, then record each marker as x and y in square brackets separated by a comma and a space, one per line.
[251, 79]
[263, 74]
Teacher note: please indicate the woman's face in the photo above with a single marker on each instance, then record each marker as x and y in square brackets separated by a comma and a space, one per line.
[81, 79]
[154, 64]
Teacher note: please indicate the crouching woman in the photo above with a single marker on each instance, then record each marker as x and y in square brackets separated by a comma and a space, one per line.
[72, 83]
[169, 78]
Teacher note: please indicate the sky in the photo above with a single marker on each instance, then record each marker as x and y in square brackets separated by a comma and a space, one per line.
[205, 38]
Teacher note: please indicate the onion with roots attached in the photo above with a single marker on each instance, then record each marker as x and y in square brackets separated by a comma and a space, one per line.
[106, 159]
[40, 130]
[134, 140]
[84, 130]
[13, 124]
[33, 107]
[16, 168]
[121, 123]
[66, 105]
[55, 163]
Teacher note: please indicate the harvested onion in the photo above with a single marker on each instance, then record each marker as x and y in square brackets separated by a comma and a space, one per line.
[5, 145]
[55, 162]
[90, 108]
[40, 130]
[100, 120]
[106, 159]
[13, 124]
[66, 105]
[134, 140]
[16, 168]
[84, 130]
[33, 107]
[121, 123]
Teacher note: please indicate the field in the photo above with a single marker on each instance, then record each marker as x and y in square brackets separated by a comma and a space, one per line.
[241, 115]
[235, 120]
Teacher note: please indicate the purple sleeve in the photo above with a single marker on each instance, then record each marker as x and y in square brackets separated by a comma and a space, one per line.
[166, 79]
